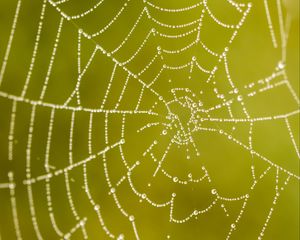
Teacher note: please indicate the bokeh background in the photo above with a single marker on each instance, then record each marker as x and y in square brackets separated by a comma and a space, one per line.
[251, 57]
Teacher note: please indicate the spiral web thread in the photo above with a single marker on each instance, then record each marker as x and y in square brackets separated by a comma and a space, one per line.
[278, 78]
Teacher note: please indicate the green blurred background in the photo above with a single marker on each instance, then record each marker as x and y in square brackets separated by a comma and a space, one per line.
[251, 57]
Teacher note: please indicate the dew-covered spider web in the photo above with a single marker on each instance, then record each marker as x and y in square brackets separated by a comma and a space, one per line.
[148, 119]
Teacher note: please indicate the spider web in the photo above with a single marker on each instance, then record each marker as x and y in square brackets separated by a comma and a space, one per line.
[131, 136]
